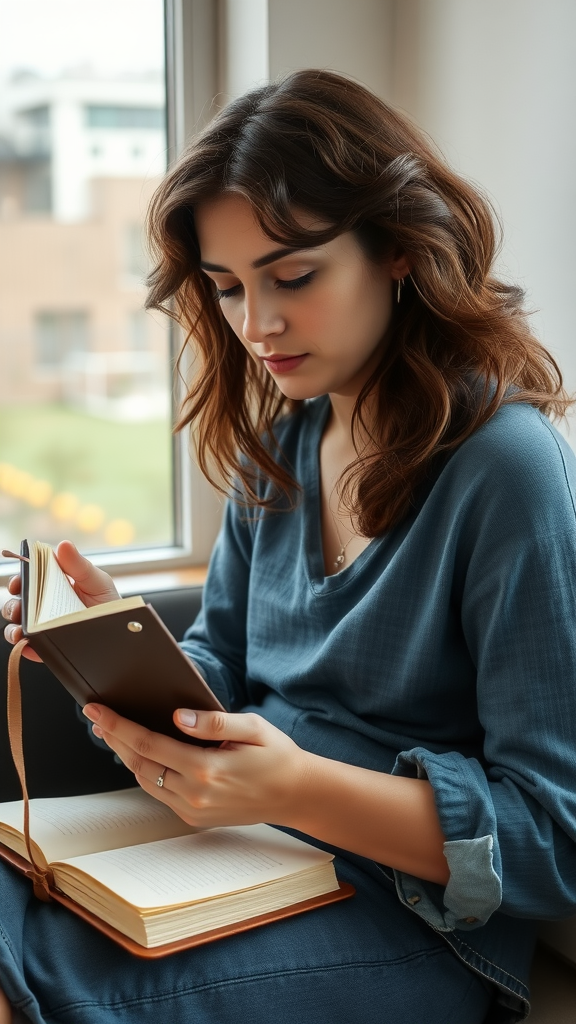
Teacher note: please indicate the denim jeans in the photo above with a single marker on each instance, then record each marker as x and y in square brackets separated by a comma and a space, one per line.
[367, 960]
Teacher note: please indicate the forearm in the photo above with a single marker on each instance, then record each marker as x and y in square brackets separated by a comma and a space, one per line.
[5, 1009]
[257, 773]
[389, 819]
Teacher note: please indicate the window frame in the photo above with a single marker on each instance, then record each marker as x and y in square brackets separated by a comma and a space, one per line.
[191, 69]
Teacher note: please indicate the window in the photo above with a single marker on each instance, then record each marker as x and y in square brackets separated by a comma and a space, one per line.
[37, 187]
[86, 449]
[136, 262]
[58, 337]
[138, 323]
[37, 116]
[125, 117]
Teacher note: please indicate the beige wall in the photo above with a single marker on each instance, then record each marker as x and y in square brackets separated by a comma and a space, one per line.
[494, 83]
[263, 39]
[353, 36]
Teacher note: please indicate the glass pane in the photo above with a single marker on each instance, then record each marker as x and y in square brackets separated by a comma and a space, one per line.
[85, 446]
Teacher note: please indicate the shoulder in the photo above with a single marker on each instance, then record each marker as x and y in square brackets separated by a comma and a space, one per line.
[519, 464]
[522, 434]
[519, 442]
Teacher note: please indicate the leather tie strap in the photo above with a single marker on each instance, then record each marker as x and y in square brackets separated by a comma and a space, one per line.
[42, 878]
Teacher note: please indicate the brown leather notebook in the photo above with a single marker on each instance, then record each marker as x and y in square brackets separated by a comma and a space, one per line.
[46, 840]
[343, 892]
[120, 654]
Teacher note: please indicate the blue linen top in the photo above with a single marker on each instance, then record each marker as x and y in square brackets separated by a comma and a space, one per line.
[446, 651]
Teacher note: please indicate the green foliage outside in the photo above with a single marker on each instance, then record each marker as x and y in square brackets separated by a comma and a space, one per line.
[118, 472]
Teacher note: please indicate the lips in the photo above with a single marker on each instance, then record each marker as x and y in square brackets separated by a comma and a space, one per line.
[283, 364]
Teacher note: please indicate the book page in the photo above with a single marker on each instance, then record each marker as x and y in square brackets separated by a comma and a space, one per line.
[56, 601]
[198, 867]
[96, 611]
[57, 597]
[70, 826]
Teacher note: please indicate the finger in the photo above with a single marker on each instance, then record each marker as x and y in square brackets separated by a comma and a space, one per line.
[95, 585]
[144, 768]
[121, 733]
[14, 584]
[165, 784]
[30, 654]
[13, 634]
[167, 796]
[175, 790]
[11, 610]
[221, 726]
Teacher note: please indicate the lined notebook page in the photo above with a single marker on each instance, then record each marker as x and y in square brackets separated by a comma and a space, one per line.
[200, 866]
[69, 826]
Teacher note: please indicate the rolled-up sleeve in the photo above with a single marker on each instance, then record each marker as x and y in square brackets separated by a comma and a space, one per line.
[466, 812]
[509, 818]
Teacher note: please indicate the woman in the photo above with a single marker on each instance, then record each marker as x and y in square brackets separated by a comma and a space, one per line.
[389, 608]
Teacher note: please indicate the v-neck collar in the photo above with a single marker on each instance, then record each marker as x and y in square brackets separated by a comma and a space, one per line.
[312, 514]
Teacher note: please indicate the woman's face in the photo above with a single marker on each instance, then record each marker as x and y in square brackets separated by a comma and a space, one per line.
[315, 318]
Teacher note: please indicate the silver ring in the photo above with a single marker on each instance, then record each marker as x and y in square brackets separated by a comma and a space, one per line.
[160, 779]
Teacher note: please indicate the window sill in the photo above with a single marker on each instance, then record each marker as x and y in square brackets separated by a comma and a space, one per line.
[145, 583]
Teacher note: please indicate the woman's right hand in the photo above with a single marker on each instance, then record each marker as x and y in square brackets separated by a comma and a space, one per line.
[92, 585]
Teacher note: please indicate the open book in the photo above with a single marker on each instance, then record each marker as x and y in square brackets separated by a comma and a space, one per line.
[118, 653]
[128, 864]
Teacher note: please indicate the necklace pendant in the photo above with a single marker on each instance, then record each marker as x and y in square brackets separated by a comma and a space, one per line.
[339, 559]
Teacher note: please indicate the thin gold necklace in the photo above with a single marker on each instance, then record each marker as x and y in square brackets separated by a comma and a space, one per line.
[341, 557]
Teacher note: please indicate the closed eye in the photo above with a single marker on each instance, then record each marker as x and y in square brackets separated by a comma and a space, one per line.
[293, 286]
[226, 293]
[296, 282]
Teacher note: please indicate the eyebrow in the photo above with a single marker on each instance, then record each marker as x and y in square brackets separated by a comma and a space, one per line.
[262, 261]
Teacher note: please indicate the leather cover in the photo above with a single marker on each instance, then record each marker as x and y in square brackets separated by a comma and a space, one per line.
[143, 675]
[343, 892]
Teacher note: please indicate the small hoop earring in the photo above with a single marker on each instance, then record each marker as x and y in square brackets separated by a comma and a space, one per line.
[399, 286]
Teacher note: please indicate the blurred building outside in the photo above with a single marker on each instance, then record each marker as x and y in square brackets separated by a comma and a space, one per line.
[79, 160]
[84, 370]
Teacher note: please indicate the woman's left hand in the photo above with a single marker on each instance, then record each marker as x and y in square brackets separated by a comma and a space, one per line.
[257, 774]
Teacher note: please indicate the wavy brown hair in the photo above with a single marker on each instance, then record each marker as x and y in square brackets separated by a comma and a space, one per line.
[458, 345]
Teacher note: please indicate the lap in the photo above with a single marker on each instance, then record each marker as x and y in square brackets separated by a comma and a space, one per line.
[366, 960]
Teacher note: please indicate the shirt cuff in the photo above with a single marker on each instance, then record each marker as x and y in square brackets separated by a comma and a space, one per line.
[466, 812]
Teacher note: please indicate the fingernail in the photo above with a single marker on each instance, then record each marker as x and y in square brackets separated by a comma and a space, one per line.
[8, 609]
[91, 712]
[12, 630]
[187, 717]
[97, 731]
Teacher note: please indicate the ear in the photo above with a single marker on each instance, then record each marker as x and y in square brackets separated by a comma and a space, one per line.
[399, 268]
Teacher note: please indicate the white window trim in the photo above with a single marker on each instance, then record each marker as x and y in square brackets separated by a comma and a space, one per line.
[192, 83]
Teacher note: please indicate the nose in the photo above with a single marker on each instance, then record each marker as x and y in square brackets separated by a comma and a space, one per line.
[262, 317]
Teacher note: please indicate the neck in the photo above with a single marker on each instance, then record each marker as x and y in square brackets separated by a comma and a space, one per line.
[340, 423]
